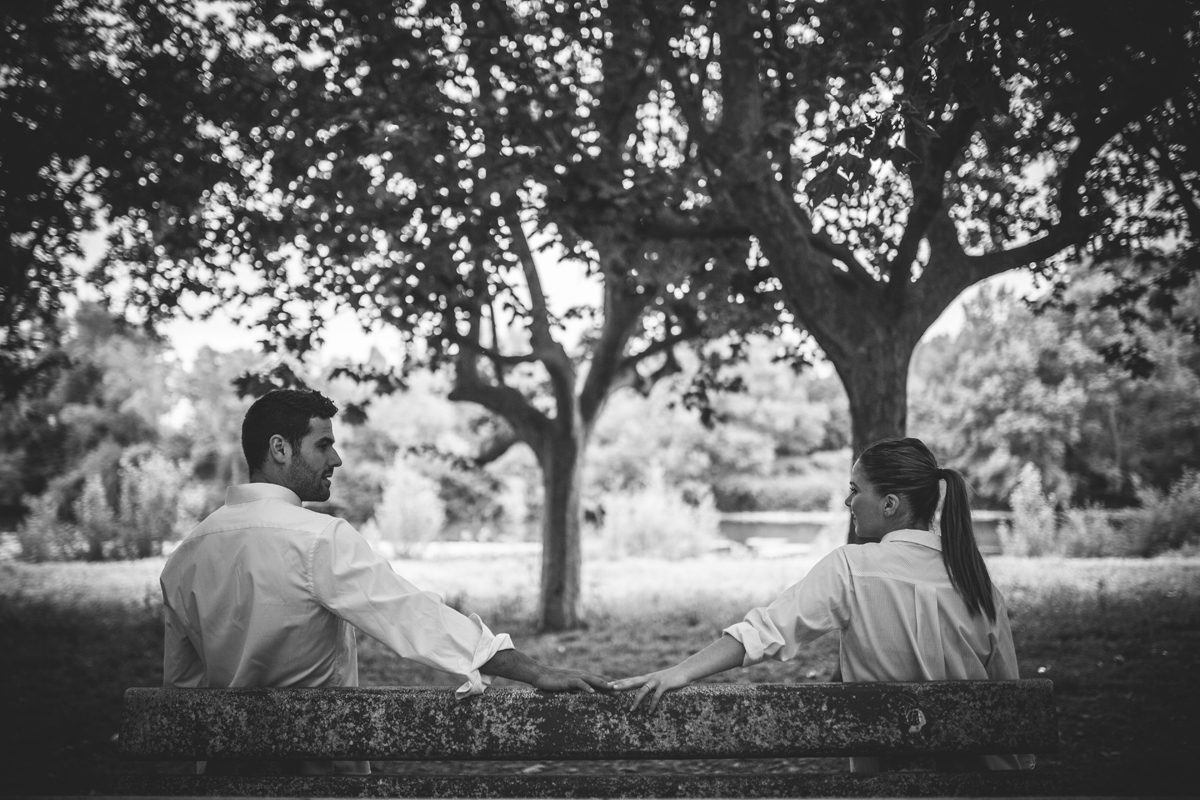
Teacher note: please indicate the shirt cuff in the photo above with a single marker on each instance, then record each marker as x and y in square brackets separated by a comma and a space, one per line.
[759, 636]
[489, 644]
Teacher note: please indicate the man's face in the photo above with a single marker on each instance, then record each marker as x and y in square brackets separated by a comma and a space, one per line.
[309, 473]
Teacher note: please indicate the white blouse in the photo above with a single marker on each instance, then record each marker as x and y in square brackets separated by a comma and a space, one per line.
[899, 617]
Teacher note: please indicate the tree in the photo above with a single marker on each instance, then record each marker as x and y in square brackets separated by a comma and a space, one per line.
[85, 425]
[108, 383]
[878, 158]
[411, 165]
[101, 99]
[1014, 387]
[887, 156]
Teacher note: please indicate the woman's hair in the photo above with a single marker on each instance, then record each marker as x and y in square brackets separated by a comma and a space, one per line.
[906, 468]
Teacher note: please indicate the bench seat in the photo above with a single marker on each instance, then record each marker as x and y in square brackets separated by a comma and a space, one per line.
[709, 721]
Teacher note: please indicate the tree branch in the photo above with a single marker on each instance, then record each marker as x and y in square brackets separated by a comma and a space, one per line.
[546, 349]
[498, 358]
[623, 309]
[674, 72]
[496, 447]
[822, 242]
[530, 425]
[929, 190]
[1162, 157]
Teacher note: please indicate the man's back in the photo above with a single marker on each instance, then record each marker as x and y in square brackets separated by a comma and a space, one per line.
[241, 609]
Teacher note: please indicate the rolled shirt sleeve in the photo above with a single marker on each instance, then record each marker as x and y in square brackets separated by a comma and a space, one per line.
[806, 610]
[356, 583]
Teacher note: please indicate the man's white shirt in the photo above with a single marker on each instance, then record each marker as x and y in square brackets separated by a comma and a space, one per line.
[265, 592]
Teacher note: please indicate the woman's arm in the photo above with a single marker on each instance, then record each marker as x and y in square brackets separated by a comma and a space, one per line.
[725, 653]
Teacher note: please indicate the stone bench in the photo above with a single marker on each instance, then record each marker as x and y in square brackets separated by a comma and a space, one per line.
[738, 723]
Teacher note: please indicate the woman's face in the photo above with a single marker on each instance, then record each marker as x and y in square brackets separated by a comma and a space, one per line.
[866, 507]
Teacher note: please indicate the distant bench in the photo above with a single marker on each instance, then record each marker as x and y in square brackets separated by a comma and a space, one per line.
[709, 721]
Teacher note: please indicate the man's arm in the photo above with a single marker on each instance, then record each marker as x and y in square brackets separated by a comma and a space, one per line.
[182, 666]
[515, 665]
[354, 582]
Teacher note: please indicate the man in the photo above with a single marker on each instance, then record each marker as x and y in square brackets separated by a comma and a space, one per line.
[264, 592]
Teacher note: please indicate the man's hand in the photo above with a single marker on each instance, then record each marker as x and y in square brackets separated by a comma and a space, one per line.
[654, 682]
[515, 665]
[569, 680]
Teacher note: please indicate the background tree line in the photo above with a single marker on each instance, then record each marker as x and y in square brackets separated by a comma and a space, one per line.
[119, 447]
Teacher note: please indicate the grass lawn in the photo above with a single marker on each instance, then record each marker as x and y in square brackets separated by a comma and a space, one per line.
[1120, 638]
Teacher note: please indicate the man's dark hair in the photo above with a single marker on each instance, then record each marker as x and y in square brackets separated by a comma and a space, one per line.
[286, 412]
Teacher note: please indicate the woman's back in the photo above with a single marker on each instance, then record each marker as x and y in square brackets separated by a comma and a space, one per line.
[905, 620]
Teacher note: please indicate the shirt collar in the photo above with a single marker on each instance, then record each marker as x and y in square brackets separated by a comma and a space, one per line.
[249, 492]
[923, 538]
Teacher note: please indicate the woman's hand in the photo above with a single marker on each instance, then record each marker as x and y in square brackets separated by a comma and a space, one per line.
[655, 683]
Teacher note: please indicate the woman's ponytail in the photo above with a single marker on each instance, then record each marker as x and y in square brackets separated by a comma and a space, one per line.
[906, 467]
[960, 553]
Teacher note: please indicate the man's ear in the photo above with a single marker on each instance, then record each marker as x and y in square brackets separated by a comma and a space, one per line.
[279, 449]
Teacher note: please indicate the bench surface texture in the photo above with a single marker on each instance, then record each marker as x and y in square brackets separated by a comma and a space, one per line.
[708, 721]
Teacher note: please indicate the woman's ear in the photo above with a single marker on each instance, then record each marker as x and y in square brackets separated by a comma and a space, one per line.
[891, 504]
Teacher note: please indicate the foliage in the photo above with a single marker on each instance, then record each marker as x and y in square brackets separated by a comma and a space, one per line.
[1102, 533]
[772, 427]
[413, 163]
[885, 157]
[1171, 520]
[116, 504]
[108, 383]
[1013, 387]
[774, 493]
[43, 536]
[410, 514]
[103, 100]
[1164, 522]
[1034, 530]
[657, 521]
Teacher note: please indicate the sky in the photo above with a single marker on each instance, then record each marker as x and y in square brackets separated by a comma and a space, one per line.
[564, 284]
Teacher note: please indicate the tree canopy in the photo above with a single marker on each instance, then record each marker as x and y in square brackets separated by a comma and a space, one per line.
[887, 156]
[716, 166]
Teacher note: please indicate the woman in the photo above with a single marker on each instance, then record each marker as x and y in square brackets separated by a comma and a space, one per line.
[910, 604]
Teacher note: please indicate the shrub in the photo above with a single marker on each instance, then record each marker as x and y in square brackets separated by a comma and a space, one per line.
[1101, 533]
[149, 503]
[1034, 528]
[357, 490]
[95, 517]
[410, 513]
[105, 510]
[46, 535]
[1171, 520]
[656, 521]
[774, 493]
[1167, 521]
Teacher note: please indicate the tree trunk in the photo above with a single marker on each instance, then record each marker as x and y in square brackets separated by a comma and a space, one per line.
[876, 384]
[561, 461]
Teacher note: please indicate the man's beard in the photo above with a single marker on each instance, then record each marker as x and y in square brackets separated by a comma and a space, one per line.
[309, 484]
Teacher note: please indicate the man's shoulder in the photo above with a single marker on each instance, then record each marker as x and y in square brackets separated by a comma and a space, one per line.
[262, 517]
